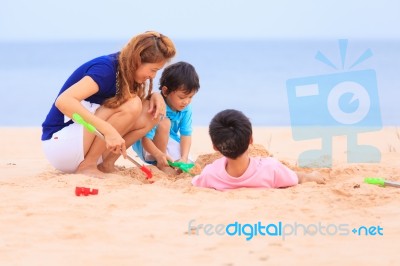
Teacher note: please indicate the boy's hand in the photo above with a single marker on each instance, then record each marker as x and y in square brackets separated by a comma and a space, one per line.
[314, 176]
[162, 160]
[183, 160]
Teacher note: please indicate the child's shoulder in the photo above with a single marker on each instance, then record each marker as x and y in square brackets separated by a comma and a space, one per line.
[216, 164]
[265, 161]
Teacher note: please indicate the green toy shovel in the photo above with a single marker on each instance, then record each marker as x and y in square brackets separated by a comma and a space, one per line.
[185, 167]
[381, 182]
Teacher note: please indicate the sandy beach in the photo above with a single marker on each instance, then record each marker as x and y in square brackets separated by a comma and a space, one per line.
[168, 222]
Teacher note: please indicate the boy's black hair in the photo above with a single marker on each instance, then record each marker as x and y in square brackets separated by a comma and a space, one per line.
[230, 131]
[180, 75]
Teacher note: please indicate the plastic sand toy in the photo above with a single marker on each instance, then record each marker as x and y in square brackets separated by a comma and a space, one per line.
[79, 191]
[185, 167]
[381, 182]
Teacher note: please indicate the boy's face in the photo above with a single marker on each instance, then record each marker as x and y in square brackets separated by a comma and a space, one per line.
[178, 100]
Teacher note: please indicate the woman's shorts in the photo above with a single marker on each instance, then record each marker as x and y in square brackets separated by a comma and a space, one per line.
[64, 150]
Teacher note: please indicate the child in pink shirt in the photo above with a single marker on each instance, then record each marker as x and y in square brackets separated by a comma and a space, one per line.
[231, 134]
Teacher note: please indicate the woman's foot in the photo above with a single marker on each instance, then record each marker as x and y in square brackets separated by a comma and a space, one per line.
[90, 171]
[107, 168]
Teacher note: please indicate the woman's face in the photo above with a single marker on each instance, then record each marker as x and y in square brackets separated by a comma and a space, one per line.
[148, 71]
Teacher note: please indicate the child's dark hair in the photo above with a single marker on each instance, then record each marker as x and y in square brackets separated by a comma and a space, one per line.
[180, 75]
[230, 131]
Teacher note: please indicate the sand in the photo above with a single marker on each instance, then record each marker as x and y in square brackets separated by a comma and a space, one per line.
[168, 222]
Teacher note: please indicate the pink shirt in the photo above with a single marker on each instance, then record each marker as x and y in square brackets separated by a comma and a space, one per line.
[261, 173]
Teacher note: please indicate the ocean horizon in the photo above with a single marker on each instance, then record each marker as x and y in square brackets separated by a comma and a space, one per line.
[248, 75]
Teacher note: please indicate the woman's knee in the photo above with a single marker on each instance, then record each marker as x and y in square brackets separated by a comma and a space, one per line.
[131, 108]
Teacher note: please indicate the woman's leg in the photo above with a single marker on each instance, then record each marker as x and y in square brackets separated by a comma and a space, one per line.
[143, 124]
[123, 119]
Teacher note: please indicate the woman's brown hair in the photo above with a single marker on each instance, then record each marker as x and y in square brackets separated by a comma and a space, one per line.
[148, 47]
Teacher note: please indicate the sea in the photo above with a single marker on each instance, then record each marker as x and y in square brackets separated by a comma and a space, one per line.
[247, 75]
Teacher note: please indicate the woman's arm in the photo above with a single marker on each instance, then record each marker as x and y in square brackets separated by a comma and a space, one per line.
[69, 102]
[157, 105]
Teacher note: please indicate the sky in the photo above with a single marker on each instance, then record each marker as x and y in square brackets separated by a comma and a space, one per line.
[45, 20]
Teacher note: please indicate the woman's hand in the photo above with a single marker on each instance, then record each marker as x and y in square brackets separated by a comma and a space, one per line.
[157, 105]
[115, 143]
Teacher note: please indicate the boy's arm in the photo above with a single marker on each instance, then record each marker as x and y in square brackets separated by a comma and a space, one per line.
[200, 180]
[314, 176]
[285, 177]
[186, 142]
[185, 129]
[151, 148]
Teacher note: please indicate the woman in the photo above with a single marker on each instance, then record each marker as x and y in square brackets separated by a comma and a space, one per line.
[107, 92]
